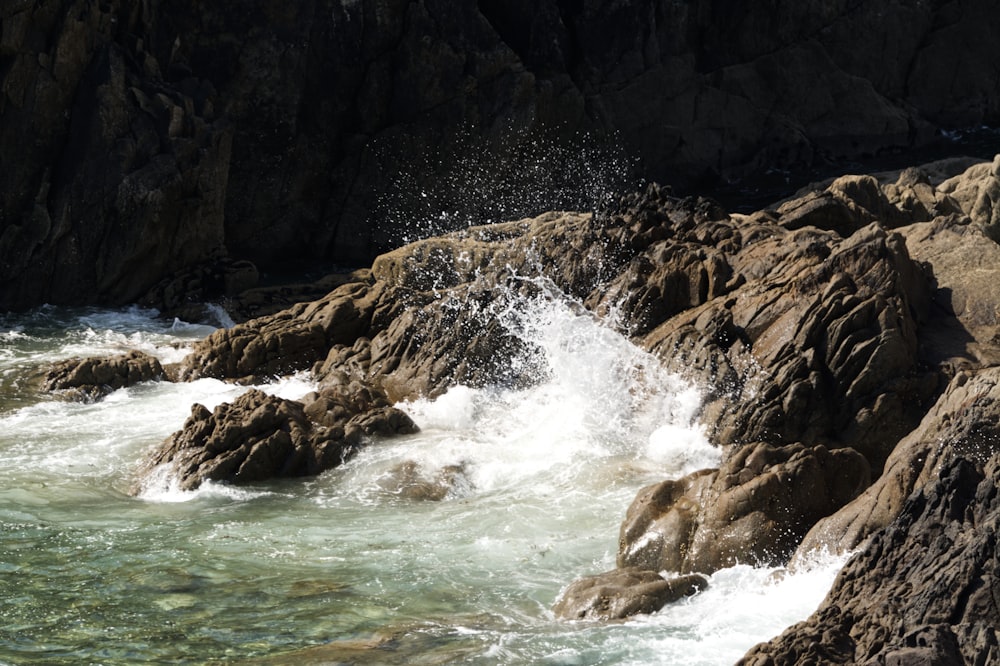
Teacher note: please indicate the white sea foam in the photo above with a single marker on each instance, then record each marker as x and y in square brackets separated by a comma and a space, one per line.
[602, 406]
[538, 480]
[163, 487]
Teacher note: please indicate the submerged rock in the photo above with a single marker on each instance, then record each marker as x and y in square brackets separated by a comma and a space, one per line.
[94, 378]
[621, 593]
[409, 481]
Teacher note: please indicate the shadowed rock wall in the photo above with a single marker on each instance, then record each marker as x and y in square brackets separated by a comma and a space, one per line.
[143, 138]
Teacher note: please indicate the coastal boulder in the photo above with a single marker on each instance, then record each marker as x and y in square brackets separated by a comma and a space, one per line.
[430, 315]
[814, 339]
[964, 422]
[259, 437]
[284, 342]
[621, 593]
[753, 510]
[964, 263]
[93, 378]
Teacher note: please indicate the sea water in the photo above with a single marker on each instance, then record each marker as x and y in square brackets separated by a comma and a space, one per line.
[448, 546]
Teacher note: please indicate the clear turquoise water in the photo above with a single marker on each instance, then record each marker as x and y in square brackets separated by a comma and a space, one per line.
[344, 568]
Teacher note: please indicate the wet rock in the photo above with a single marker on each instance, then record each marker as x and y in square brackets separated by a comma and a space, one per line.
[621, 593]
[184, 294]
[285, 342]
[923, 590]
[410, 481]
[94, 378]
[428, 316]
[259, 437]
[754, 510]
[267, 300]
[357, 407]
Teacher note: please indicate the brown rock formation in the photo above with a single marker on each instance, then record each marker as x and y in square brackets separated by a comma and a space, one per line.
[923, 591]
[621, 593]
[93, 378]
[754, 510]
[259, 437]
[965, 421]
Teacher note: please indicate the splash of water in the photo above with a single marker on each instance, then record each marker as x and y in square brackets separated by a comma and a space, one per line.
[472, 182]
[448, 545]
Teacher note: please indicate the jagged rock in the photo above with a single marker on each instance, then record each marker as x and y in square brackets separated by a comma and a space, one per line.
[621, 593]
[357, 407]
[428, 316]
[285, 342]
[965, 330]
[812, 339]
[259, 437]
[923, 591]
[120, 179]
[965, 421]
[185, 294]
[262, 301]
[93, 378]
[753, 510]
[977, 192]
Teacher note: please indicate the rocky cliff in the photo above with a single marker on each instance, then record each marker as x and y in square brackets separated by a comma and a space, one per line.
[145, 140]
[845, 343]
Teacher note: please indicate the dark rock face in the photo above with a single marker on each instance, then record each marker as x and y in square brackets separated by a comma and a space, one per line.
[259, 437]
[923, 591]
[621, 593]
[120, 177]
[154, 137]
[93, 378]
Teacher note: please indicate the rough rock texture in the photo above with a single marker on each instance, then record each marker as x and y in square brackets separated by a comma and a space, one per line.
[426, 317]
[923, 591]
[259, 437]
[754, 510]
[804, 342]
[818, 345]
[843, 366]
[93, 378]
[185, 294]
[287, 341]
[152, 137]
[921, 588]
[965, 421]
[621, 593]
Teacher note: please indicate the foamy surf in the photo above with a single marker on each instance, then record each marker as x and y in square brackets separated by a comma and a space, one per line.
[448, 545]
